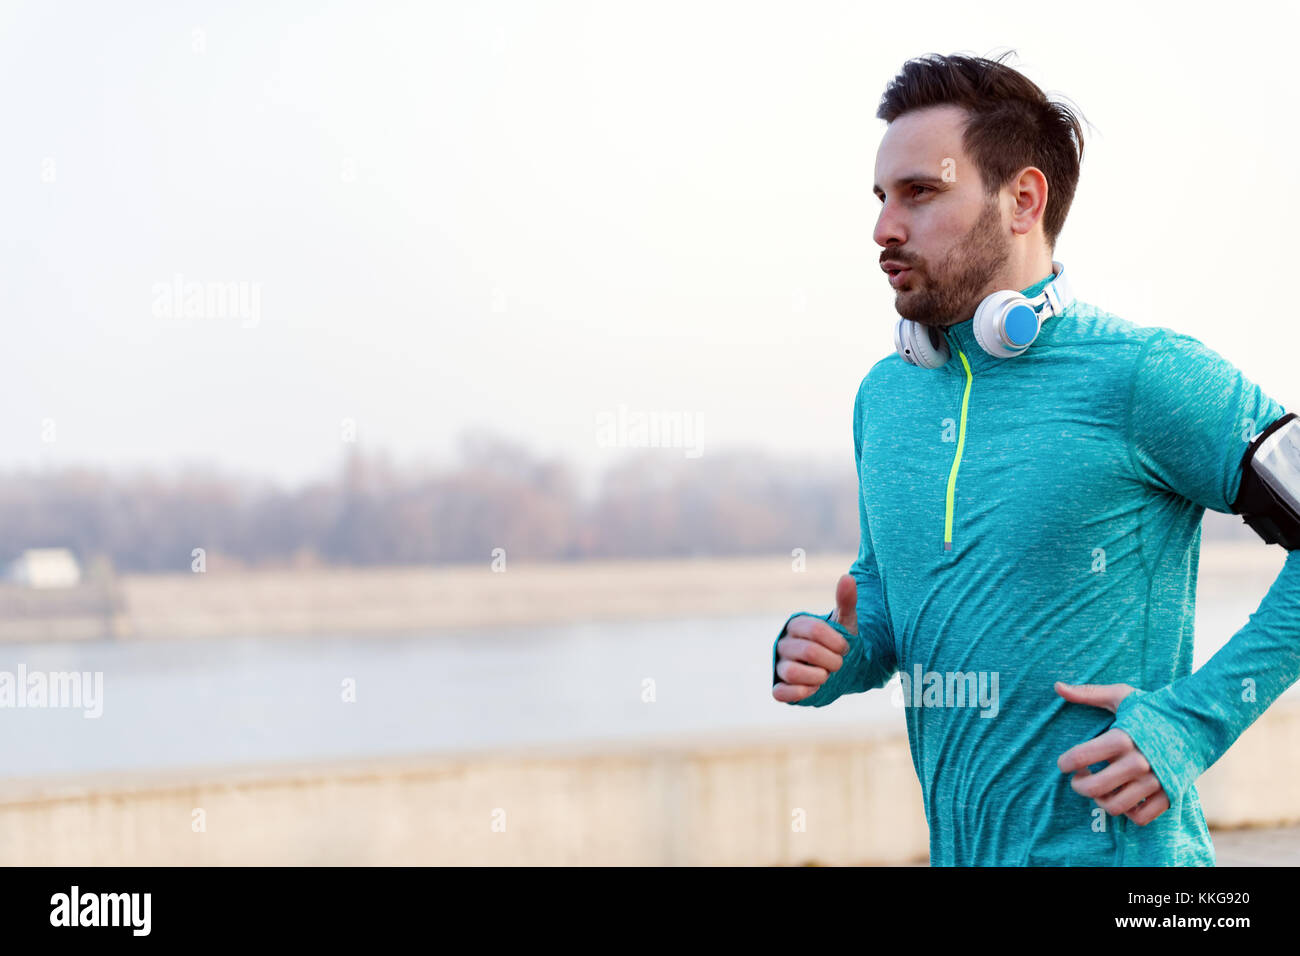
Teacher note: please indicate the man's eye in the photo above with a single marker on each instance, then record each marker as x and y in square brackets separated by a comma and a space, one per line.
[926, 188]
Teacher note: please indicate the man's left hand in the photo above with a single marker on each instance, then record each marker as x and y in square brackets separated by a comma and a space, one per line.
[1126, 785]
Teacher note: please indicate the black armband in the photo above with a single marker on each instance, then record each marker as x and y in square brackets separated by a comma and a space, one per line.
[1269, 496]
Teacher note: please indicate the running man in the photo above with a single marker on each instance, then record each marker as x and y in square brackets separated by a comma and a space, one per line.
[1033, 472]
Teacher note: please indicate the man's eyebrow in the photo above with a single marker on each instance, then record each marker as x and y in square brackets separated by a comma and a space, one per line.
[908, 180]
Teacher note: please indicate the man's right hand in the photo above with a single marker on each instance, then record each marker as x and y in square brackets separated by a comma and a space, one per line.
[812, 650]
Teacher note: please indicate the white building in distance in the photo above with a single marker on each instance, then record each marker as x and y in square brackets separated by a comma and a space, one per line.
[45, 568]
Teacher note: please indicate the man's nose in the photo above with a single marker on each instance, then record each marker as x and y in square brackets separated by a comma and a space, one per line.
[889, 227]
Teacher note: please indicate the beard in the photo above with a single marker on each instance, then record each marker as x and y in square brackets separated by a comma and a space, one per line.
[953, 288]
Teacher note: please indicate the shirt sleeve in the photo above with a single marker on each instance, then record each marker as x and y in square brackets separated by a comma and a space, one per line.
[1192, 415]
[1192, 418]
[870, 661]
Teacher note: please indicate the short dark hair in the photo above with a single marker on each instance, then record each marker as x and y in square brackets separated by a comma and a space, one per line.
[1012, 123]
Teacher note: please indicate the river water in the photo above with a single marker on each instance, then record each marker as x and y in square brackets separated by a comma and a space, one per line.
[197, 703]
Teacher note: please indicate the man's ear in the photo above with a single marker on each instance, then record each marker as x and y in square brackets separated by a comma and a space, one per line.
[1029, 190]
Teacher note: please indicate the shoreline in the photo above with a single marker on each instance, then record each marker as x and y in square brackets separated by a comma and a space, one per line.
[402, 599]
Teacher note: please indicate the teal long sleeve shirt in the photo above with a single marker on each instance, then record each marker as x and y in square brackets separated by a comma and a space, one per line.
[1037, 519]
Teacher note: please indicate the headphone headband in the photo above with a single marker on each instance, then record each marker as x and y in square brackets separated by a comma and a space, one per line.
[1056, 295]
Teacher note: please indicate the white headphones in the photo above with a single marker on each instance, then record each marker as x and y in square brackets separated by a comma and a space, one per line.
[1006, 323]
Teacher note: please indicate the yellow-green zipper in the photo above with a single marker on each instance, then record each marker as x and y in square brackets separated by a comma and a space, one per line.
[956, 460]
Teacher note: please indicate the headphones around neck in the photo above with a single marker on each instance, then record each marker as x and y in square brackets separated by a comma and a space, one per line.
[1006, 323]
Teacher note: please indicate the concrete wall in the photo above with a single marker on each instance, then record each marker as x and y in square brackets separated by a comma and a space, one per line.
[703, 802]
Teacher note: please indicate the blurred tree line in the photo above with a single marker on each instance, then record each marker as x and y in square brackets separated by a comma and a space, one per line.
[653, 503]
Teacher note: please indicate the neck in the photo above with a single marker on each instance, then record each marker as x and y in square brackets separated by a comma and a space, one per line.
[1023, 271]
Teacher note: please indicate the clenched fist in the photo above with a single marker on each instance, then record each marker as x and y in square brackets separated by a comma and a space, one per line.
[812, 650]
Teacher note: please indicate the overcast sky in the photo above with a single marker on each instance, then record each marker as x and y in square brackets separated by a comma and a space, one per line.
[520, 216]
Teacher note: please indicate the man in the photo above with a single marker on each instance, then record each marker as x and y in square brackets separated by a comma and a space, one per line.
[1030, 525]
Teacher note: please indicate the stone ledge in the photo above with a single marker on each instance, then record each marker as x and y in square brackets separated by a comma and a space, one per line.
[709, 800]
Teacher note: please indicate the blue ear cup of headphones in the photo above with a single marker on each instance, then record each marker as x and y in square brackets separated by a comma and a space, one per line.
[1005, 325]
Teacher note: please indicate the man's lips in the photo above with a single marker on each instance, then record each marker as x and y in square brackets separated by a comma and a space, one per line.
[896, 271]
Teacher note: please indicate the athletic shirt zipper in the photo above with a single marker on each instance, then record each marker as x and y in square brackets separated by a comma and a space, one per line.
[956, 458]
